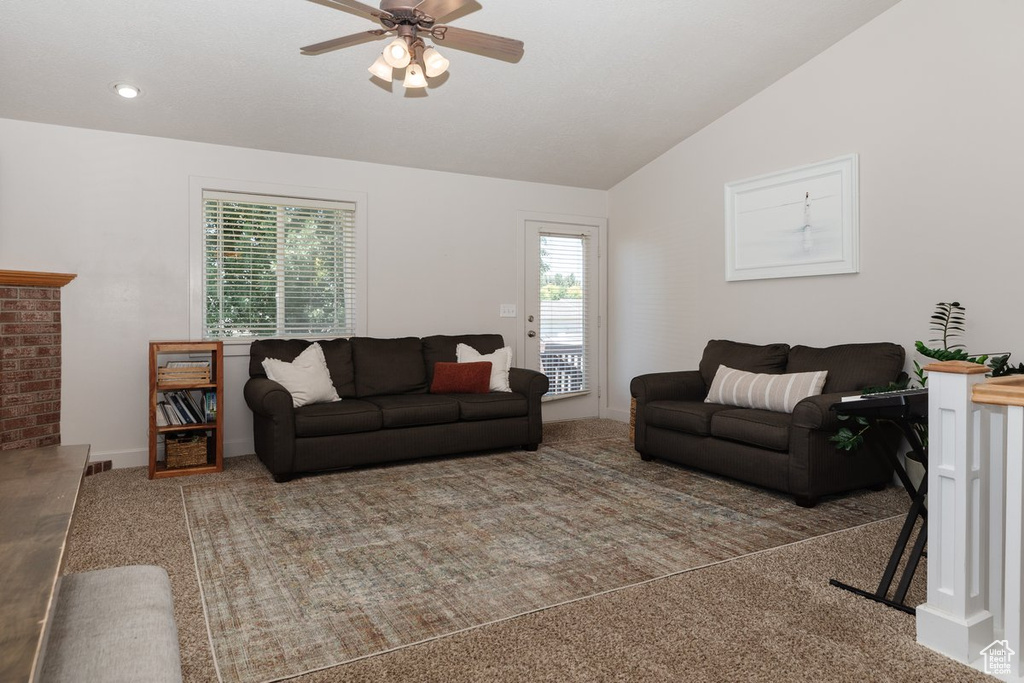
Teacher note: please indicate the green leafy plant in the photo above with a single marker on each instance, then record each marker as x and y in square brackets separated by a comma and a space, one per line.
[948, 323]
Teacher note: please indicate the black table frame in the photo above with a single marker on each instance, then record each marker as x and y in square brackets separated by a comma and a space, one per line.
[917, 494]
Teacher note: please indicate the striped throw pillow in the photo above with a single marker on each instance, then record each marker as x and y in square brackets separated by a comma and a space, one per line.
[779, 393]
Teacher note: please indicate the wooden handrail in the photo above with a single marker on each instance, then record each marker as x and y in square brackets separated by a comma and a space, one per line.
[1000, 391]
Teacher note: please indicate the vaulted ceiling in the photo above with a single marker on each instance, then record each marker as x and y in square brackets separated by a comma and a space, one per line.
[604, 87]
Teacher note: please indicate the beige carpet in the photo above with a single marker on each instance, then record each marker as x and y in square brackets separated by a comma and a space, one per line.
[769, 616]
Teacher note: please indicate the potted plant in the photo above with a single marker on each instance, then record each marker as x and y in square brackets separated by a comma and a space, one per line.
[948, 323]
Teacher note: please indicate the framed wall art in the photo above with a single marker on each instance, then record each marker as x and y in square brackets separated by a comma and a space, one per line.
[793, 223]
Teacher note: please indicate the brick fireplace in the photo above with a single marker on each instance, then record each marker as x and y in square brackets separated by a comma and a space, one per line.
[30, 358]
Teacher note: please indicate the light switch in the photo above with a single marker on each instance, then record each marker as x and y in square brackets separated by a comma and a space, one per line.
[507, 311]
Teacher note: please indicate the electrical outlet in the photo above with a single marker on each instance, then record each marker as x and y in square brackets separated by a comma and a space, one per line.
[507, 310]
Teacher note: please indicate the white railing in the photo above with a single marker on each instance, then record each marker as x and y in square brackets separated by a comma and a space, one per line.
[976, 519]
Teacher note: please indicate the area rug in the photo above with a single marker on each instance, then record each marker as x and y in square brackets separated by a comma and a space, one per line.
[324, 570]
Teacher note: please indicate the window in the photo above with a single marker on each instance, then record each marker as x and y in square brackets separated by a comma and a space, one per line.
[278, 266]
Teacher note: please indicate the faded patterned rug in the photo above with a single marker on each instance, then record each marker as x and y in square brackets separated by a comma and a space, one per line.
[323, 570]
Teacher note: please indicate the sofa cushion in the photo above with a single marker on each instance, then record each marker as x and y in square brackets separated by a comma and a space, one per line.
[461, 378]
[500, 360]
[440, 348]
[343, 417]
[306, 378]
[410, 410]
[337, 354]
[385, 367]
[692, 417]
[764, 428]
[780, 393]
[770, 358]
[850, 366]
[491, 406]
[281, 349]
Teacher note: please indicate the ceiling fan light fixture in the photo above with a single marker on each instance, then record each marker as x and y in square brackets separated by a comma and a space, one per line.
[381, 70]
[414, 76]
[396, 54]
[434, 62]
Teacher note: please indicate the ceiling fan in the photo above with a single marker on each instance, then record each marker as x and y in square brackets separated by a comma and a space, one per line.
[410, 21]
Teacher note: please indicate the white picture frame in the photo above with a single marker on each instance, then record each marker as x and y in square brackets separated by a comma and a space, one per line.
[795, 223]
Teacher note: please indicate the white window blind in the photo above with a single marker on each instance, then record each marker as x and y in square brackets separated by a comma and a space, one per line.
[277, 266]
[563, 319]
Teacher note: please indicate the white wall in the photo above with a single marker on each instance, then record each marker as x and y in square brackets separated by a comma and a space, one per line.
[929, 95]
[113, 208]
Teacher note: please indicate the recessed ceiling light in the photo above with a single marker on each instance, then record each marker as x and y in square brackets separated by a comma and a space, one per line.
[126, 91]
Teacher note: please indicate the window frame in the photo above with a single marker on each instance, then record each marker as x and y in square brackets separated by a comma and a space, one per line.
[238, 346]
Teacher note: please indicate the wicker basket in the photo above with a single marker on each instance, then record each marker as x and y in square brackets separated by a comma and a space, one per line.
[186, 450]
[184, 376]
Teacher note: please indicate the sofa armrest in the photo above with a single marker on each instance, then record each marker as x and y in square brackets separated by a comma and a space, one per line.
[273, 425]
[685, 385]
[268, 398]
[532, 385]
[814, 412]
[527, 382]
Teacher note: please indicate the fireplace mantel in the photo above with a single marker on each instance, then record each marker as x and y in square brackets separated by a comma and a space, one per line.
[28, 278]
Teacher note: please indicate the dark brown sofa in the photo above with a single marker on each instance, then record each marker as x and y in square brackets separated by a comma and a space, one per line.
[386, 413]
[786, 452]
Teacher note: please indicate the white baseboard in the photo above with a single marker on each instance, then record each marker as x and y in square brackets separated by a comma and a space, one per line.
[617, 415]
[140, 457]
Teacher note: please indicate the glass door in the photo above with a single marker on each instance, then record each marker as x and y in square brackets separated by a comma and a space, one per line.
[561, 315]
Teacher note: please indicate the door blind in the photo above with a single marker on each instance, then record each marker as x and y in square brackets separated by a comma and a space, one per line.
[564, 283]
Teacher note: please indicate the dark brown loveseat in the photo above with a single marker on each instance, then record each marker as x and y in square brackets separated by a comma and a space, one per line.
[386, 413]
[787, 452]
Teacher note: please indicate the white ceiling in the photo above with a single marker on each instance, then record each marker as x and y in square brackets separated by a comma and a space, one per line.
[605, 86]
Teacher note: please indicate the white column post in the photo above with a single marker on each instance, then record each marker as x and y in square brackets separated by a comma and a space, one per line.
[1014, 547]
[993, 442]
[954, 620]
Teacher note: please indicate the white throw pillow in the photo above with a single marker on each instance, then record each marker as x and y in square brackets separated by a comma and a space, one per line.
[501, 362]
[306, 377]
[779, 393]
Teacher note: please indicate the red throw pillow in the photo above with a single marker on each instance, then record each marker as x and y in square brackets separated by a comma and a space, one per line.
[461, 378]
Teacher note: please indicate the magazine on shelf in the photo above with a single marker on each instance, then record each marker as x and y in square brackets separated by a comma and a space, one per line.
[188, 364]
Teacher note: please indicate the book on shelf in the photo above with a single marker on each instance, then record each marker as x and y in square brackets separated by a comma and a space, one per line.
[193, 406]
[210, 406]
[171, 412]
[161, 415]
[181, 407]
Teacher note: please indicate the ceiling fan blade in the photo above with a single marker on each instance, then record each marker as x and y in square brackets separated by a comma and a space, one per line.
[439, 9]
[354, 6]
[481, 43]
[345, 41]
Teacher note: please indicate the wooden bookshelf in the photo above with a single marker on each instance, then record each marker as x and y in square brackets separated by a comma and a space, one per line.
[161, 381]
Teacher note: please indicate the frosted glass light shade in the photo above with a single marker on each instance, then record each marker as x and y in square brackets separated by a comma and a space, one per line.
[381, 70]
[396, 54]
[414, 76]
[434, 63]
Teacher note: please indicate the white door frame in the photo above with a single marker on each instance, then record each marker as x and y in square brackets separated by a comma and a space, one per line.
[600, 367]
